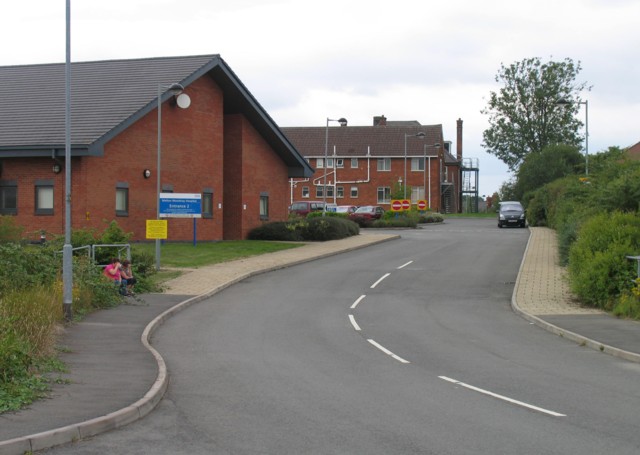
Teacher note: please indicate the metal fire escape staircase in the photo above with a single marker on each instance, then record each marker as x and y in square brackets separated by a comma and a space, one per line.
[469, 194]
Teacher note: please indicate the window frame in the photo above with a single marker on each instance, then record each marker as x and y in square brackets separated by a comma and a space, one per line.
[122, 188]
[417, 164]
[354, 163]
[264, 205]
[39, 188]
[384, 165]
[354, 192]
[5, 187]
[386, 195]
[207, 203]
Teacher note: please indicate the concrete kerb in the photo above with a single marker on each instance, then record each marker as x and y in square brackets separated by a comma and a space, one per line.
[579, 339]
[142, 407]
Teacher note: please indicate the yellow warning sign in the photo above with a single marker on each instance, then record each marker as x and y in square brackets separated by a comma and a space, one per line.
[157, 229]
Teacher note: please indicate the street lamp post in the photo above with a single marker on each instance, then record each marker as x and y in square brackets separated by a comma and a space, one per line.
[67, 248]
[343, 122]
[421, 135]
[176, 90]
[565, 102]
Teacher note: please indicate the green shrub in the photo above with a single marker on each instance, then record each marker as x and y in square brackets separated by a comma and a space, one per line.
[430, 217]
[15, 352]
[9, 232]
[627, 306]
[599, 271]
[299, 229]
[401, 221]
[278, 230]
[23, 266]
[327, 214]
[329, 228]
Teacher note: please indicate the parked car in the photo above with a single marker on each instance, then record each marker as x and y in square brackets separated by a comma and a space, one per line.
[368, 212]
[511, 213]
[303, 208]
[348, 209]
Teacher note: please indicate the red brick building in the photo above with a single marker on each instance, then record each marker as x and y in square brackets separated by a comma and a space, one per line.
[366, 164]
[224, 146]
[633, 152]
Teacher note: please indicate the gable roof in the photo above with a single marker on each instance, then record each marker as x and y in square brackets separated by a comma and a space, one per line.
[360, 141]
[107, 97]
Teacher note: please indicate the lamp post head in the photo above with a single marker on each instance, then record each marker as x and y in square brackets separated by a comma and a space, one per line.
[342, 121]
[176, 89]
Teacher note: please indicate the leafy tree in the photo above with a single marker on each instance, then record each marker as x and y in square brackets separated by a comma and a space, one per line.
[553, 162]
[524, 115]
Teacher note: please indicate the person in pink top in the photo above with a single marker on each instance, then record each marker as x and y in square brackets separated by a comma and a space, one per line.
[112, 271]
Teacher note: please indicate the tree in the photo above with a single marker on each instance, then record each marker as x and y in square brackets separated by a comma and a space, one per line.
[551, 163]
[524, 115]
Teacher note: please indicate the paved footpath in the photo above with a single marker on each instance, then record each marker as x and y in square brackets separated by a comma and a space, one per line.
[117, 377]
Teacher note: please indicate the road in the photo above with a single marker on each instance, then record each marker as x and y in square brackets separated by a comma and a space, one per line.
[407, 347]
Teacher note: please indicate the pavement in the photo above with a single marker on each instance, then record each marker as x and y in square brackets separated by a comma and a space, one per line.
[116, 376]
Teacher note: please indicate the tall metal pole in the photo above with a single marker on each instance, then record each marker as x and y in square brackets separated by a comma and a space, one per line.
[586, 137]
[405, 165]
[158, 172]
[343, 122]
[67, 250]
[324, 179]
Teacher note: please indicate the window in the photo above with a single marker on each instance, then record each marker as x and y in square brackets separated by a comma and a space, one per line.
[384, 195]
[339, 191]
[417, 164]
[329, 163]
[329, 191]
[305, 191]
[339, 163]
[354, 163]
[207, 203]
[264, 206]
[320, 193]
[354, 191]
[384, 164]
[8, 197]
[320, 163]
[417, 193]
[44, 197]
[122, 199]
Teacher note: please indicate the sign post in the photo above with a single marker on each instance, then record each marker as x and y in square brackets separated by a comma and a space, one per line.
[175, 205]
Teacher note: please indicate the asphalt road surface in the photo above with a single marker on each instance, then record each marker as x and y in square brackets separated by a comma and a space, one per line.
[407, 347]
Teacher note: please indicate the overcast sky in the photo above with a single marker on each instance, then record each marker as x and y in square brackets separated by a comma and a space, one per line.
[306, 60]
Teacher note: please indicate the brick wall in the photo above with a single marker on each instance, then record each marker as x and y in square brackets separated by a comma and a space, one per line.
[252, 165]
[368, 187]
[191, 160]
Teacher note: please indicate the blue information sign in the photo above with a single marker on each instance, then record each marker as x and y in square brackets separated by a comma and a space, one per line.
[180, 205]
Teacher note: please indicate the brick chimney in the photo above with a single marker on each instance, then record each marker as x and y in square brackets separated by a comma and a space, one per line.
[459, 141]
[380, 120]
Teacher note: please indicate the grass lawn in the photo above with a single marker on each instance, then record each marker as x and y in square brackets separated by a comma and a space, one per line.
[186, 255]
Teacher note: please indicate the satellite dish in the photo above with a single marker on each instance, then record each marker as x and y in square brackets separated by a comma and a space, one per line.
[183, 100]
